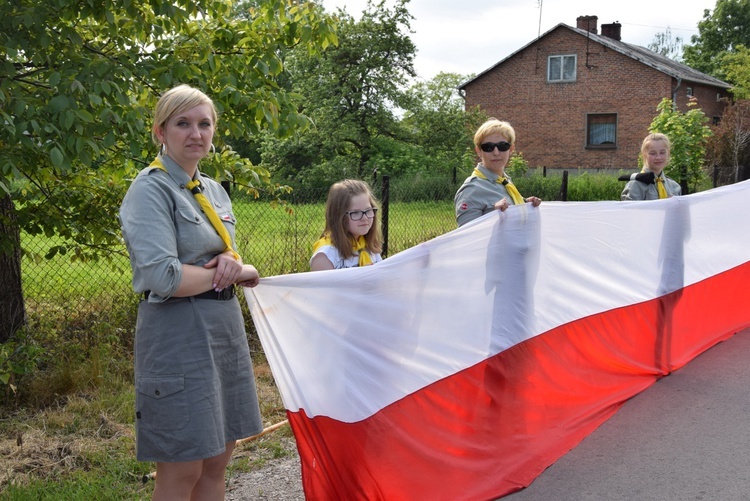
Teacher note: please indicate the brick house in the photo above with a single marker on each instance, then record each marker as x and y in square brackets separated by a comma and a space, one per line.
[579, 99]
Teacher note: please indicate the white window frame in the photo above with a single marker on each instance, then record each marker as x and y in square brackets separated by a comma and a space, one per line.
[560, 61]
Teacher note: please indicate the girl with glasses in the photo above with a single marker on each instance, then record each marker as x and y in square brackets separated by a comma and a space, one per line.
[489, 188]
[352, 235]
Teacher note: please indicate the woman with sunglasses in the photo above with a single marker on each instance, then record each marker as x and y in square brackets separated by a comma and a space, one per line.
[489, 188]
[352, 236]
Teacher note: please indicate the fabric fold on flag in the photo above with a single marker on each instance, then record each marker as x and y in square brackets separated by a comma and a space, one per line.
[462, 367]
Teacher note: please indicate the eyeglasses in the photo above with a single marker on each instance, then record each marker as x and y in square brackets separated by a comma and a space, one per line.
[489, 147]
[356, 215]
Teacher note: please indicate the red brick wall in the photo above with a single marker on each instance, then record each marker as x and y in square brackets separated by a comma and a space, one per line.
[705, 97]
[550, 118]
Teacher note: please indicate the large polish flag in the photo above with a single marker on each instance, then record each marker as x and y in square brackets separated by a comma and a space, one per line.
[461, 368]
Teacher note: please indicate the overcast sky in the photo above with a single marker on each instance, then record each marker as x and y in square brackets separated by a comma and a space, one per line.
[469, 36]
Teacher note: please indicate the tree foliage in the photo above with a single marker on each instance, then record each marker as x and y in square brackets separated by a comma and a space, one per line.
[667, 45]
[736, 66]
[350, 93]
[438, 124]
[78, 81]
[688, 133]
[719, 33]
[729, 147]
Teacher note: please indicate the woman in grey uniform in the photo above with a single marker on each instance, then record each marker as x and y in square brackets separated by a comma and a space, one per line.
[489, 188]
[195, 388]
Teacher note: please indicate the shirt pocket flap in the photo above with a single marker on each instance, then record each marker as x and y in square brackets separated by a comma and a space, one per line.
[188, 214]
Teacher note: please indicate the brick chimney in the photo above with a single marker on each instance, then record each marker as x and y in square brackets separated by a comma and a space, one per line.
[587, 23]
[612, 30]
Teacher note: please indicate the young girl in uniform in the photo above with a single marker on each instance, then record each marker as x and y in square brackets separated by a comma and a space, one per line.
[352, 235]
[651, 183]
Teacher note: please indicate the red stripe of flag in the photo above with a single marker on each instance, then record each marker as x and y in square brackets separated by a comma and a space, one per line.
[492, 428]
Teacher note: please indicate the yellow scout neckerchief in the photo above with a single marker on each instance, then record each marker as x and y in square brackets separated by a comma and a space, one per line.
[195, 188]
[510, 187]
[659, 182]
[358, 245]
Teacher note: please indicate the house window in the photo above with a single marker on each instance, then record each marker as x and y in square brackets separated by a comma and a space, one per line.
[601, 130]
[690, 92]
[561, 68]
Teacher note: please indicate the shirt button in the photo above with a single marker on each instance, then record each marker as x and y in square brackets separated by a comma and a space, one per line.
[157, 393]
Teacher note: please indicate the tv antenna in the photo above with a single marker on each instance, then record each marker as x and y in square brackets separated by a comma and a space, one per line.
[539, 32]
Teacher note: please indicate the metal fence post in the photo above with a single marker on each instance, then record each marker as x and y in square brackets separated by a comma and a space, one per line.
[384, 202]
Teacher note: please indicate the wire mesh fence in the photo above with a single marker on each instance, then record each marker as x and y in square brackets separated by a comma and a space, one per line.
[82, 298]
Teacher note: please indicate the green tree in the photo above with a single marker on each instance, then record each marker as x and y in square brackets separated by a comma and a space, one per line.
[720, 32]
[78, 80]
[688, 133]
[736, 67]
[729, 147]
[350, 93]
[667, 45]
[439, 125]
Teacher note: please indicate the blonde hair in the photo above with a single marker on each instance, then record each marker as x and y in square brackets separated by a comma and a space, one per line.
[339, 196]
[177, 100]
[494, 126]
[654, 136]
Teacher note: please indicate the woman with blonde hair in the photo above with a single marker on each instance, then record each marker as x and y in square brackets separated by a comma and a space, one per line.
[195, 390]
[489, 188]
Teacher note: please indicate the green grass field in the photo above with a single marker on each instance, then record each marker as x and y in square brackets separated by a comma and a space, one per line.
[276, 239]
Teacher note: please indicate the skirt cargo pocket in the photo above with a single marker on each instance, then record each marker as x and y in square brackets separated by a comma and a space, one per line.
[161, 402]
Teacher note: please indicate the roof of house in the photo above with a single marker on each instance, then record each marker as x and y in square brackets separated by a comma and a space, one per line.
[641, 54]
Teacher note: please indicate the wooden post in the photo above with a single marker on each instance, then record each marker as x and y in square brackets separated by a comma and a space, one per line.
[564, 187]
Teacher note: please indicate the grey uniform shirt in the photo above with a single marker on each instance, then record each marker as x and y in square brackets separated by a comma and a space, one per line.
[478, 196]
[636, 190]
[164, 227]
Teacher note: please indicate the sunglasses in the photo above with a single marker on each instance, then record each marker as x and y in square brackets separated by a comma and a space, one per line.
[489, 147]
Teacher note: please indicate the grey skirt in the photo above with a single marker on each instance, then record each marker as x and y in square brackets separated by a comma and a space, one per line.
[194, 381]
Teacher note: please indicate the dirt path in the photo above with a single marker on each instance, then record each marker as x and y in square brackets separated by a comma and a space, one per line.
[279, 480]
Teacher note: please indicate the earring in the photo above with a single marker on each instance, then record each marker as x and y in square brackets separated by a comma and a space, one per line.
[163, 149]
[213, 148]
